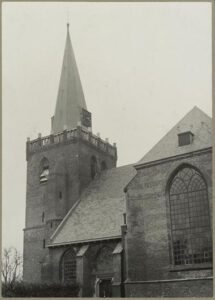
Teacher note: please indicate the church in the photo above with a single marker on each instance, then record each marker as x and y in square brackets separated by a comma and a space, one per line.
[141, 230]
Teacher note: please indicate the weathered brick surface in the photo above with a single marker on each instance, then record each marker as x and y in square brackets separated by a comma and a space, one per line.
[148, 235]
[197, 288]
[69, 166]
[33, 254]
[97, 261]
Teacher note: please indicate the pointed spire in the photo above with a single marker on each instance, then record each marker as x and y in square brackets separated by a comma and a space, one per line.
[70, 98]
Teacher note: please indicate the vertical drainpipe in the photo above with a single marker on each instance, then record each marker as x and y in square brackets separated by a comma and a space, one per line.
[123, 255]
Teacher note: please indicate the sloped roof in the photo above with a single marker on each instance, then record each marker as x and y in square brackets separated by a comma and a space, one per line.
[99, 211]
[195, 121]
[70, 98]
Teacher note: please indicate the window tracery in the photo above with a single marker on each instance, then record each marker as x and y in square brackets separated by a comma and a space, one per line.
[68, 266]
[190, 220]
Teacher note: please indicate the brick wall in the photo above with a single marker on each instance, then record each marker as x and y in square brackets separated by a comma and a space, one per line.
[97, 261]
[33, 253]
[148, 234]
[190, 288]
[69, 167]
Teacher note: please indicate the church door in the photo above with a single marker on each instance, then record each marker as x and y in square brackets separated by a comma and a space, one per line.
[105, 288]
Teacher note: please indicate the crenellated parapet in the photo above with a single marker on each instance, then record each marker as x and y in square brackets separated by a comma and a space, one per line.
[69, 136]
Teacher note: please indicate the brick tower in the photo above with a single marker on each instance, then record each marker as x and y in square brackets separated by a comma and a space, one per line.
[60, 166]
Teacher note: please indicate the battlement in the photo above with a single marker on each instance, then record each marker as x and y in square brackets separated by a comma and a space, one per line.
[67, 136]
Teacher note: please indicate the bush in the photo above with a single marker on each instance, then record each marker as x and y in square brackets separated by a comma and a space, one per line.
[22, 289]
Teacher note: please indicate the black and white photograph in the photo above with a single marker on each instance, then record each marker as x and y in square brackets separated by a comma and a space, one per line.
[107, 149]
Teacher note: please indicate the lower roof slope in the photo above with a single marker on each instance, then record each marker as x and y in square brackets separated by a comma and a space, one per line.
[98, 214]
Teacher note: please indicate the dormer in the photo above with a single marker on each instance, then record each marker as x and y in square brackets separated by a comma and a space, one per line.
[185, 138]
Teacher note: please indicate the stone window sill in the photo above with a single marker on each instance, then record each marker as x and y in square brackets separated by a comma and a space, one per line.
[191, 267]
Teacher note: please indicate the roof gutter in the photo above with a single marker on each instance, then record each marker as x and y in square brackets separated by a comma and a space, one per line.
[83, 241]
[179, 156]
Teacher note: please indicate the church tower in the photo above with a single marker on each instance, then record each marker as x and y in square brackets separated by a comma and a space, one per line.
[60, 166]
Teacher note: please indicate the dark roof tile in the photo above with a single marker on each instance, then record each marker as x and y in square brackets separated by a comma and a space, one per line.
[99, 212]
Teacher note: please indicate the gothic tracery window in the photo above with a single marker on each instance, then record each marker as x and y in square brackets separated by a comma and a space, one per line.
[190, 220]
[68, 267]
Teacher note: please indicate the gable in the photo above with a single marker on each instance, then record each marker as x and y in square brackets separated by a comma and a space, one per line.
[195, 122]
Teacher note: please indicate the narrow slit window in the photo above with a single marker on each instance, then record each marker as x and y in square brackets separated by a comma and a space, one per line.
[43, 217]
[94, 167]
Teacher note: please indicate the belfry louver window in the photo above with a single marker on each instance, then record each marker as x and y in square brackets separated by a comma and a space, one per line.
[44, 175]
[44, 170]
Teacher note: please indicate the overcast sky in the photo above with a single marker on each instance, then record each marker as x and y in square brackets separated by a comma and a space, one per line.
[143, 66]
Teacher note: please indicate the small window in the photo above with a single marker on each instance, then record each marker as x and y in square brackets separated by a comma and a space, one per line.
[60, 195]
[44, 243]
[51, 224]
[185, 138]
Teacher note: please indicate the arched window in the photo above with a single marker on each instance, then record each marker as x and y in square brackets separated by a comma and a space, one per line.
[103, 166]
[94, 167]
[44, 170]
[190, 220]
[68, 267]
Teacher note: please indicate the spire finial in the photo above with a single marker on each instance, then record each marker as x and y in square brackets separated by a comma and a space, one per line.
[67, 26]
